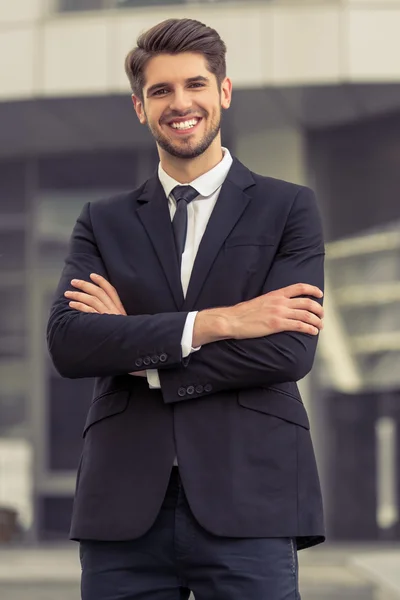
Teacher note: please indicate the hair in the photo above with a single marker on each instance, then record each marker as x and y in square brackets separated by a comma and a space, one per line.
[175, 36]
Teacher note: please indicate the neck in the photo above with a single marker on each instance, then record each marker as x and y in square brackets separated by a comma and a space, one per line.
[186, 170]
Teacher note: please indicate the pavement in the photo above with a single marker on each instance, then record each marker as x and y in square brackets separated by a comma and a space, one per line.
[351, 572]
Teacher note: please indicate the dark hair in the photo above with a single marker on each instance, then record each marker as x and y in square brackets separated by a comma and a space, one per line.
[174, 36]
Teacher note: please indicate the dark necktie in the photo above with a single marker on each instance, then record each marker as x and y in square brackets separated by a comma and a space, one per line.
[183, 194]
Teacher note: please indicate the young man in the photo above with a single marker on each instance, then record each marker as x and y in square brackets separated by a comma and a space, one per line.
[195, 301]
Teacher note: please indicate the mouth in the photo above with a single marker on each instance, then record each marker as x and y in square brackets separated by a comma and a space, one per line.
[184, 126]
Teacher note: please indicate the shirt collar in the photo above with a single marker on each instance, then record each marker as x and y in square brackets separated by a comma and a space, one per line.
[206, 184]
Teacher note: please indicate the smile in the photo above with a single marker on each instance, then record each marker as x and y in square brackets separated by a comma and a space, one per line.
[185, 126]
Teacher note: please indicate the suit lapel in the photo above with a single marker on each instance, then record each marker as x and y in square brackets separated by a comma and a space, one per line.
[155, 217]
[230, 206]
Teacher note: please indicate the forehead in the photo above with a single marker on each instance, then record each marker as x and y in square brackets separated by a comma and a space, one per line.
[175, 68]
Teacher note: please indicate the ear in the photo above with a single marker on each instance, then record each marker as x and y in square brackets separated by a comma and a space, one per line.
[139, 109]
[226, 93]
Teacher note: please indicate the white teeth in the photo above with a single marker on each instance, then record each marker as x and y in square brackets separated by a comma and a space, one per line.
[185, 124]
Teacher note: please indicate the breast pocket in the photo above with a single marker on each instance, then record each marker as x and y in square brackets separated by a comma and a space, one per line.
[235, 241]
[243, 266]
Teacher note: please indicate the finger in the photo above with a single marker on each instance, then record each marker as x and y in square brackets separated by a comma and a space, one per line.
[94, 290]
[302, 289]
[307, 304]
[82, 307]
[299, 326]
[88, 300]
[306, 317]
[109, 290]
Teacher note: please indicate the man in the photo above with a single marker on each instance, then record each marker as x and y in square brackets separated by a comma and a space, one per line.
[195, 301]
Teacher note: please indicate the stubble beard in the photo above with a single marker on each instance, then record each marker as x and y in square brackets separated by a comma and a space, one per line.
[185, 149]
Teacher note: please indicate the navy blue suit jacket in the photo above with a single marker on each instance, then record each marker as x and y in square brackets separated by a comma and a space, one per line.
[232, 411]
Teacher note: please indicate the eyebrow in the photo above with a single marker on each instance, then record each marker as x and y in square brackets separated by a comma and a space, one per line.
[161, 85]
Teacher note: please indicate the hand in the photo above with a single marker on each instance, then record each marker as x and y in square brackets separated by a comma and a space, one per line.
[99, 297]
[277, 311]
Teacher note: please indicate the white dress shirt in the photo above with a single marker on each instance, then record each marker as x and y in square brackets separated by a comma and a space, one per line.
[199, 211]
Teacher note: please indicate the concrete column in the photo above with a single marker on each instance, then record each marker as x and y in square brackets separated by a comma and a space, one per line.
[275, 152]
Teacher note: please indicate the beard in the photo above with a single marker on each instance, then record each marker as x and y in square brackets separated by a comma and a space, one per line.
[186, 148]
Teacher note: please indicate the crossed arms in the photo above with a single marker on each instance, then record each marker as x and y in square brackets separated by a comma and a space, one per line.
[266, 340]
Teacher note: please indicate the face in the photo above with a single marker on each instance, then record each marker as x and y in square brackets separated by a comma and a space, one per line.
[182, 103]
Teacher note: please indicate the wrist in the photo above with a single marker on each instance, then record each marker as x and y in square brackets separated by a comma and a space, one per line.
[211, 326]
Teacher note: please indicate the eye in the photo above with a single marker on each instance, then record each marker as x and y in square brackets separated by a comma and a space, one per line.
[197, 84]
[160, 92]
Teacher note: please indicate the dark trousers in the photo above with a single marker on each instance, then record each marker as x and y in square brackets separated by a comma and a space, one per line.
[177, 556]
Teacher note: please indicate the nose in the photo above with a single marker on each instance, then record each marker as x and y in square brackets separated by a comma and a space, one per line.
[181, 101]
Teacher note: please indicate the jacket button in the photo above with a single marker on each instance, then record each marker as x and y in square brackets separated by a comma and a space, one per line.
[154, 359]
[199, 389]
[208, 387]
[190, 390]
[182, 392]
[138, 362]
[147, 361]
[163, 357]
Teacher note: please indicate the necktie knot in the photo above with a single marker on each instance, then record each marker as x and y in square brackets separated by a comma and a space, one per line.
[184, 192]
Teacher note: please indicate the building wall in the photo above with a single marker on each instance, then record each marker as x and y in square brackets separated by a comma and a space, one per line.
[356, 172]
[47, 54]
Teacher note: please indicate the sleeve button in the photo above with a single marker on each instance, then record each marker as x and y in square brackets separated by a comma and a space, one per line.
[199, 389]
[154, 359]
[190, 390]
[147, 361]
[181, 392]
[163, 357]
[138, 362]
[208, 387]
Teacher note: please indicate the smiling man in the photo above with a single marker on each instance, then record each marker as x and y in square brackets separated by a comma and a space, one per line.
[196, 302]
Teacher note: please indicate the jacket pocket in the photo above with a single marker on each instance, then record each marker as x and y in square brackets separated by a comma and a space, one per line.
[275, 403]
[287, 389]
[108, 404]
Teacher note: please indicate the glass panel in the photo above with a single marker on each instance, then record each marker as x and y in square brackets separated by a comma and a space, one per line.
[12, 188]
[133, 3]
[12, 250]
[75, 5]
[13, 325]
[13, 396]
[12, 314]
[57, 215]
[12, 414]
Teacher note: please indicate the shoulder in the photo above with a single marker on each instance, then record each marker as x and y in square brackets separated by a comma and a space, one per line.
[264, 186]
[282, 190]
[117, 201]
[284, 198]
[267, 183]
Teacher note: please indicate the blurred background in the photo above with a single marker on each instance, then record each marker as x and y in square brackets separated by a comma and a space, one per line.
[317, 102]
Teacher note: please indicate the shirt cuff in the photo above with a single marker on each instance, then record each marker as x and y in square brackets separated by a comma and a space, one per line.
[187, 336]
[153, 379]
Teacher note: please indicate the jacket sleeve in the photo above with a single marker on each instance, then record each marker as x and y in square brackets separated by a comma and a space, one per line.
[92, 345]
[278, 358]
